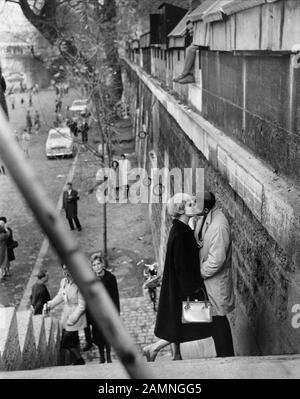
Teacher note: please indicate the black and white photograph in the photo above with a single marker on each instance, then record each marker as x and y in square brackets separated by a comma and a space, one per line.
[149, 195]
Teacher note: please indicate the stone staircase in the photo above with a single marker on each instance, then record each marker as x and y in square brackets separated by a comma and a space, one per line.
[270, 367]
[26, 341]
[29, 349]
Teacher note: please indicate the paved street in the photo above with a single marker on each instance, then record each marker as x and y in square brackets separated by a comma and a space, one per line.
[51, 174]
[125, 249]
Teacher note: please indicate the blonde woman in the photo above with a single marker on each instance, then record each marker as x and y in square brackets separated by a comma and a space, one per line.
[181, 279]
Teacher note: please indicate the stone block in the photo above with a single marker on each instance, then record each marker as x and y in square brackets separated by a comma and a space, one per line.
[40, 340]
[9, 340]
[198, 349]
[26, 339]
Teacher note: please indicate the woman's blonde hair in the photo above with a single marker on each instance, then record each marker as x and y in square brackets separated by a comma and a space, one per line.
[176, 204]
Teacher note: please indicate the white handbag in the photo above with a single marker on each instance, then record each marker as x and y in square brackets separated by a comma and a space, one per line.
[196, 311]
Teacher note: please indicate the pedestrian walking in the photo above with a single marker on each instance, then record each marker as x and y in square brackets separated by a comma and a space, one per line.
[70, 199]
[114, 179]
[110, 283]
[4, 263]
[22, 100]
[39, 293]
[17, 138]
[11, 244]
[212, 233]
[2, 168]
[25, 142]
[181, 280]
[125, 167]
[74, 127]
[12, 101]
[30, 99]
[28, 122]
[37, 123]
[84, 128]
[72, 320]
[59, 105]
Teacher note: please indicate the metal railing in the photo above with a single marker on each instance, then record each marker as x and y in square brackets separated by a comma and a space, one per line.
[98, 301]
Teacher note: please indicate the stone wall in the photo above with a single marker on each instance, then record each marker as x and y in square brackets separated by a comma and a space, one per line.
[263, 212]
[249, 98]
[26, 341]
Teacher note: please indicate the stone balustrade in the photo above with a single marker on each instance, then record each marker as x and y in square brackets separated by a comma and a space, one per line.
[27, 342]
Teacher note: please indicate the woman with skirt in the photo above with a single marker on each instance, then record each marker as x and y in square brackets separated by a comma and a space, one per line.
[72, 318]
[181, 279]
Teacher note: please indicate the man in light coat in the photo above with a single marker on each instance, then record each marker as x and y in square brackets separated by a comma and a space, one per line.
[212, 233]
[124, 166]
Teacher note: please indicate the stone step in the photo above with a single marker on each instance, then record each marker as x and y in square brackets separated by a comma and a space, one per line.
[26, 341]
[272, 367]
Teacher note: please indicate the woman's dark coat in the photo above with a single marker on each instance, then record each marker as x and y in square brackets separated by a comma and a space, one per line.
[110, 283]
[181, 278]
[9, 243]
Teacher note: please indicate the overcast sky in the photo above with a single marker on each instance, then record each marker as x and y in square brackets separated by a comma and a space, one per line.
[12, 19]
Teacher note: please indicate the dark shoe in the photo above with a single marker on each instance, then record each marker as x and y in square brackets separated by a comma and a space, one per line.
[108, 359]
[102, 360]
[79, 362]
[187, 79]
[150, 353]
[178, 78]
[79, 228]
[87, 347]
[72, 229]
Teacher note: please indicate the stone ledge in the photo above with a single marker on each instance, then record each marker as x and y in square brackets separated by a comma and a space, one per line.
[26, 339]
[271, 199]
[9, 340]
[23, 340]
[272, 367]
[40, 340]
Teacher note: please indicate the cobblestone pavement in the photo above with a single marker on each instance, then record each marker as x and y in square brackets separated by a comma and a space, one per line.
[139, 319]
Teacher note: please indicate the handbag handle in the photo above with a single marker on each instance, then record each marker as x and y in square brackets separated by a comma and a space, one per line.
[205, 295]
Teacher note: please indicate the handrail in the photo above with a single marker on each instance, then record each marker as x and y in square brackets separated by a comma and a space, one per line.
[98, 301]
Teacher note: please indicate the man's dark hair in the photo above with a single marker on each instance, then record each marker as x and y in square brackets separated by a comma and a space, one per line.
[3, 218]
[209, 200]
[123, 155]
[42, 274]
[69, 184]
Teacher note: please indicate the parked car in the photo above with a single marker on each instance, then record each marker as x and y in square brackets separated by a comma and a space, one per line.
[60, 142]
[79, 107]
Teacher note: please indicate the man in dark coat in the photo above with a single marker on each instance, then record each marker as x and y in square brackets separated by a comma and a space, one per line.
[181, 279]
[110, 283]
[70, 198]
[39, 294]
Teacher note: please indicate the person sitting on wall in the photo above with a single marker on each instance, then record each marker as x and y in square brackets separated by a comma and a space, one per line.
[187, 75]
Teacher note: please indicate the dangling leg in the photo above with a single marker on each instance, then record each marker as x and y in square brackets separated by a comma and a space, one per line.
[75, 352]
[108, 356]
[101, 353]
[176, 351]
[88, 338]
[151, 351]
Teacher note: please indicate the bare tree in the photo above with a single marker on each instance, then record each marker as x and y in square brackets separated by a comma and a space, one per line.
[84, 31]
